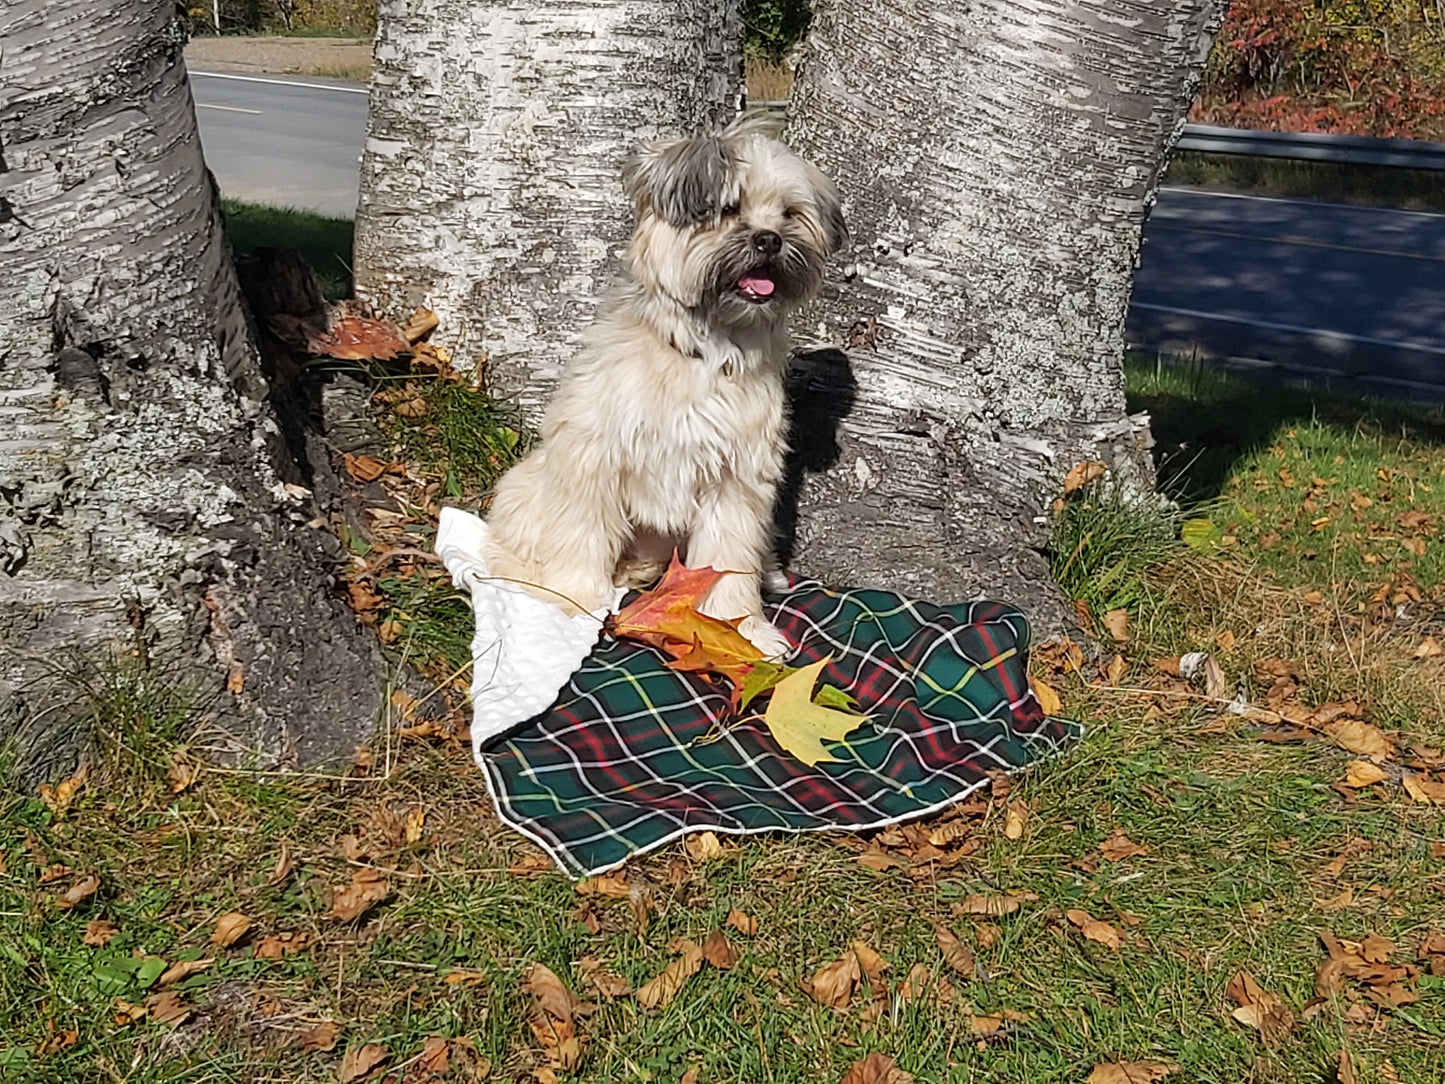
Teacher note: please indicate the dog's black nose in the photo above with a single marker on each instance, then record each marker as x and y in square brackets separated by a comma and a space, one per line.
[767, 242]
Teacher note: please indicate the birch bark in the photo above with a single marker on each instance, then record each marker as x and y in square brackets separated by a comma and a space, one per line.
[996, 160]
[143, 483]
[497, 129]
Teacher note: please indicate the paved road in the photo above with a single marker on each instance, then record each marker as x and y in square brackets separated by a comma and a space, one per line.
[1353, 295]
[290, 142]
[1294, 288]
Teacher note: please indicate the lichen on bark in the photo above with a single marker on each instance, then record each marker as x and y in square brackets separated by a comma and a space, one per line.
[996, 160]
[142, 478]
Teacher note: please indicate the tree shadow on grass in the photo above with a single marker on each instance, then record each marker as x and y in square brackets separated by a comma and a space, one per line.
[1206, 420]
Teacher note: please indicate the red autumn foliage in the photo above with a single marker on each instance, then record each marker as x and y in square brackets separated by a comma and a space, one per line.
[1358, 67]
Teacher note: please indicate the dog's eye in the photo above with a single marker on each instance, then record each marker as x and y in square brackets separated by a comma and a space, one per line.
[731, 210]
[790, 212]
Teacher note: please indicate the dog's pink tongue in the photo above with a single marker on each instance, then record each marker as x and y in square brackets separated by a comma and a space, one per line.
[756, 284]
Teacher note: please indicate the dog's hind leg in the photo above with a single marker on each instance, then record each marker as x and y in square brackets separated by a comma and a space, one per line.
[558, 535]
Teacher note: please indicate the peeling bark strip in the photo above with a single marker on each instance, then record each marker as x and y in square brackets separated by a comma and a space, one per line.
[996, 159]
[497, 131]
[142, 480]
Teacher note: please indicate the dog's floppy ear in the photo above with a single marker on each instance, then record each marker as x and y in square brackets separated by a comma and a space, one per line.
[687, 182]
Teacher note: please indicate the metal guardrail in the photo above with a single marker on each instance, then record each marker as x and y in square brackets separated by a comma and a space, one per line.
[1314, 147]
[1305, 146]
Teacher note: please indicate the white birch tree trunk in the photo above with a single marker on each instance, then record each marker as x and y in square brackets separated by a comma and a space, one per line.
[143, 482]
[996, 159]
[490, 182]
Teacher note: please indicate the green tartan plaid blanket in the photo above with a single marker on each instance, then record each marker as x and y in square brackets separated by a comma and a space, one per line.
[633, 755]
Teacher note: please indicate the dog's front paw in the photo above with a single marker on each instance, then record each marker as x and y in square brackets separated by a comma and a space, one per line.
[764, 636]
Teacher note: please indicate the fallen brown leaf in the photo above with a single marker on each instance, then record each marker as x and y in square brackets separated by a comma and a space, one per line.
[1424, 789]
[58, 798]
[603, 981]
[183, 772]
[320, 1038]
[283, 866]
[167, 1008]
[718, 951]
[1345, 1069]
[551, 992]
[1081, 474]
[876, 1068]
[463, 976]
[128, 1013]
[955, 953]
[360, 1062]
[981, 1027]
[1116, 623]
[1329, 978]
[1376, 949]
[413, 825]
[1119, 847]
[1258, 1008]
[57, 1040]
[1095, 930]
[995, 906]
[872, 966]
[703, 847]
[230, 928]
[435, 1055]
[1362, 773]
[530, 866]
[1357, 736]
[608, 885]
[282, 944]
[1049, 700]
[421, 323]
[745, 924]
[561, 1042]
[79, 892]
[182, 969]
[1340, 902]
[1017, 819]
[659, 992]
[1116, 669]
[877, 859]
[943, 835]
[98, 933]
[833, 984]
[1429, 649]
[1132, 1072]
[368, 887]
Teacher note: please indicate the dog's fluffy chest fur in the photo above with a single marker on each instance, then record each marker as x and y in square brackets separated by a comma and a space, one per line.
[677, 423]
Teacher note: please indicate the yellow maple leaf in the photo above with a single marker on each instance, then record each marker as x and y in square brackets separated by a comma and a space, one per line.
[798, 724]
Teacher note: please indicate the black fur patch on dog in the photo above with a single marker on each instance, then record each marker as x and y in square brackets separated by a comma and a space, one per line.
[684, 182]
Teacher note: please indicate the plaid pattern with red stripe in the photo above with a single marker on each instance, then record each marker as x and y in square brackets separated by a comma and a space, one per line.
[633, 754]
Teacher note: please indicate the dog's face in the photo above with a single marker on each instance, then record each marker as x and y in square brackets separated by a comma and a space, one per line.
[734, 226]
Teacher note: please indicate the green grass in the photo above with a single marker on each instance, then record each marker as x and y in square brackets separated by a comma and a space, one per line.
[324, 241]
[1338, 182]
[1238, 831]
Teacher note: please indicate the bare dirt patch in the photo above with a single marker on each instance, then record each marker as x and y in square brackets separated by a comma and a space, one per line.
[338, 58]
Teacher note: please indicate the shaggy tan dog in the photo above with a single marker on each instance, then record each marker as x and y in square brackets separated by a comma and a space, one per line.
[668, 430]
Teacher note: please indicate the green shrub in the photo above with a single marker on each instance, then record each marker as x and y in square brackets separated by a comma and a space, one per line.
[774, 26]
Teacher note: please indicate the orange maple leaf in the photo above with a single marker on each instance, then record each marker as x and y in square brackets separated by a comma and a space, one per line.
[667, 618]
